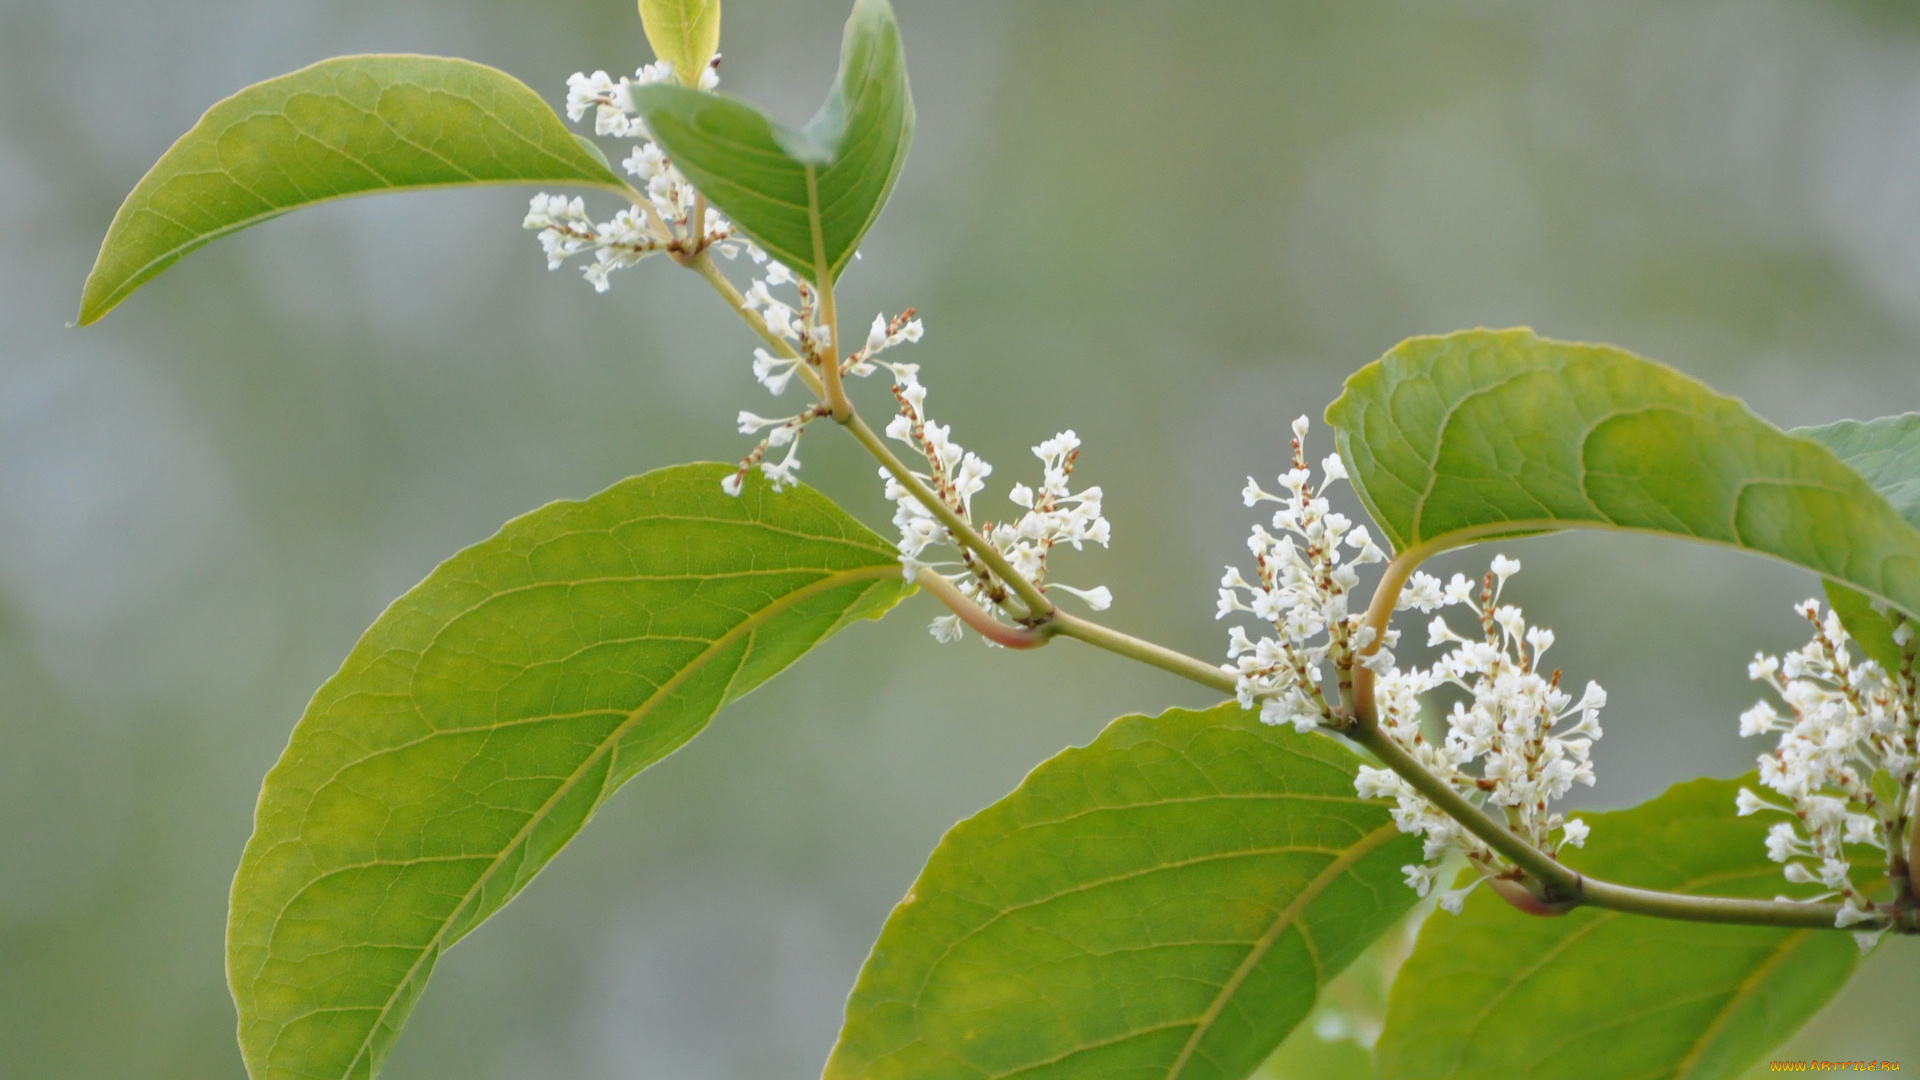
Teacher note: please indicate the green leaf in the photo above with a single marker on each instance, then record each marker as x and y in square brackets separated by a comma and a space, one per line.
[1336, 1039]
[686, 32]
[807, 195]
[351, 125]
[1163, 903]
[1598, 995]
[1456, 439]
[485, 717]
[1887, 453]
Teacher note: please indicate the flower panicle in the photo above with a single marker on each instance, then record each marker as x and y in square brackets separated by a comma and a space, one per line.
[1052, 512]
[670, 216]
[1301, 587]
[1845, 764]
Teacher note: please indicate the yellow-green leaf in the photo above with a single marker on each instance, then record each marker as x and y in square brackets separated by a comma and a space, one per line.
[485, 717]
[352, 125]
[686, 32]
[1164, 904]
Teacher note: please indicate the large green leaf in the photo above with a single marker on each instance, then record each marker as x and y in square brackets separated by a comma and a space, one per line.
[1887, 453]
[686, 32]
[347, 126]
[1497, 433]
[485, 717]
[1163, 903]
[806, 194]
[1598, 995]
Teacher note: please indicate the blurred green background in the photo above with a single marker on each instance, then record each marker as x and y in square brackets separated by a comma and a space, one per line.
[1169, 226]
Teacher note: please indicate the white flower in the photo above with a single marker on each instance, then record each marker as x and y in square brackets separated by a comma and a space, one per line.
[1420, 878]
[1453, 900]
[1504, 568]
[1099, 598]
[1782, 842]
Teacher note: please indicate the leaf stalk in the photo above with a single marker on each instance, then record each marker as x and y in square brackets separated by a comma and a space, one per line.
[1013, 637]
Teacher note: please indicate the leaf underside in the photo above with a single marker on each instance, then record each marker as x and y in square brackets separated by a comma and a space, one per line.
[1164, 903]
[352, 125]
[1479, 434]
[1598, 995]
[1886, 452]
[486, 715]
[807, 195]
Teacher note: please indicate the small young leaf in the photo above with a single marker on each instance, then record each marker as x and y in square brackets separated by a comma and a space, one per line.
[1456, 439]
[1598, 995]
[686, 32]
[485, 717]
[808, 194]
[1164, 903]
[1887, 453]
[352, 125]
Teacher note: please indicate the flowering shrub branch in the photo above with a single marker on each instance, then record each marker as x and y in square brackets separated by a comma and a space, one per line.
[1516, 741]
[1447, 441]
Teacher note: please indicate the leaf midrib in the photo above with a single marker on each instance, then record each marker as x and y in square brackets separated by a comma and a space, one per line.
[1742, 993]
[1287, 917]
[202, 239]
[743, 628]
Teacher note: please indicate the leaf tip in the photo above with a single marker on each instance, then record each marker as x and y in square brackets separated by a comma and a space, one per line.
[93, 307]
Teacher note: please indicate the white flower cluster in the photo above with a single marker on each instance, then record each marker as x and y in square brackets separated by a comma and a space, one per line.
[663, 222]
[1301, 587]
[1846, 762]
[1053, 513]
[1516, 741]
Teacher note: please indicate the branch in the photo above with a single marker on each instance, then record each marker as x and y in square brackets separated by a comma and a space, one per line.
[1563, 888]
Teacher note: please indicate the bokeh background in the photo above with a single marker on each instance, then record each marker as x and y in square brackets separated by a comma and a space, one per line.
[1170, 226]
